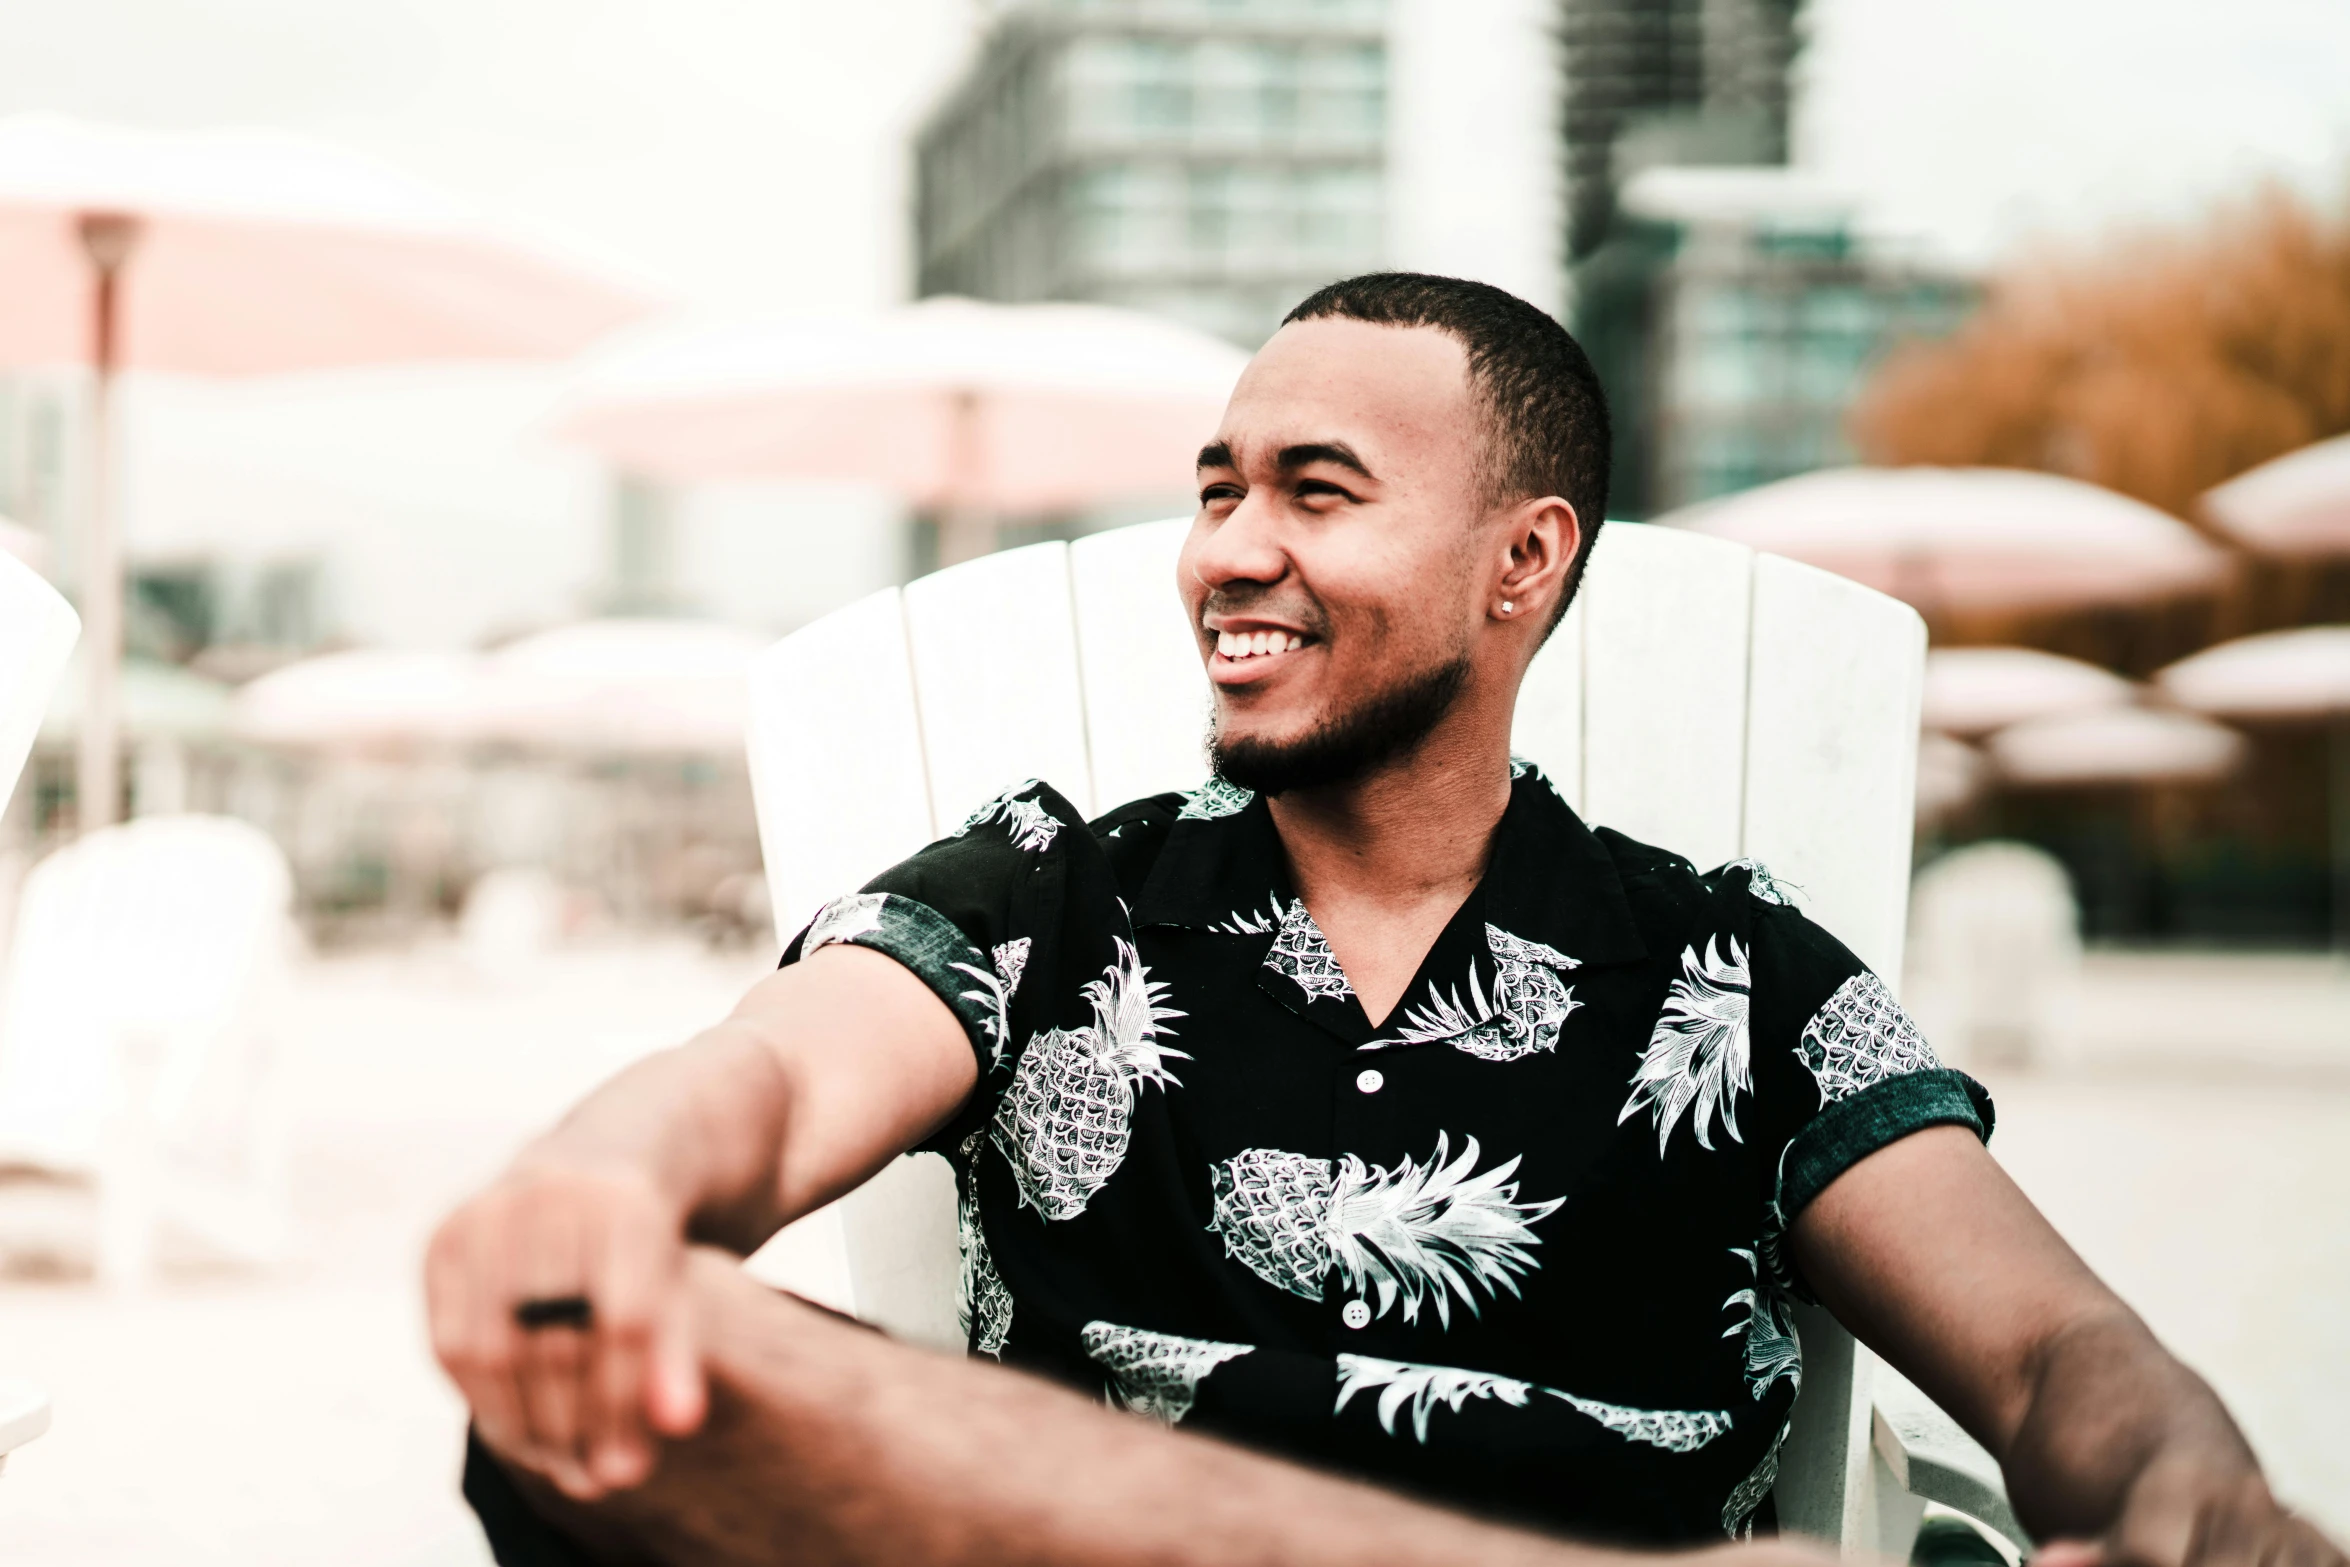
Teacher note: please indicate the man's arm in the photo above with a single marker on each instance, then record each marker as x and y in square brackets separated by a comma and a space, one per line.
[831, 1446]
[825, 1071]
[1935, 1259]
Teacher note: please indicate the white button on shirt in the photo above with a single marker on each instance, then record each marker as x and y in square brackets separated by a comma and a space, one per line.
[1356, 1314]
[1370, 1080]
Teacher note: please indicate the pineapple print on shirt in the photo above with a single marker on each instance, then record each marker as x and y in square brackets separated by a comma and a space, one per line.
[1300, 951]
[1520, 1017]
[1415, 1234]
[1155, 1374]
[1699, 1055]
[1424, 1387]
[1065, 1121]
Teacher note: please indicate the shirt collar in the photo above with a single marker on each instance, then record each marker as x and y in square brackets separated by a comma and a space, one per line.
[1550, 879]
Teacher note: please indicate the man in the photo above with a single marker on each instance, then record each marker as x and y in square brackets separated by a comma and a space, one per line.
[1363, 1106]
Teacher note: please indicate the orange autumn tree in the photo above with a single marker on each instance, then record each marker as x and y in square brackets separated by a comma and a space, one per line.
[2157, 367]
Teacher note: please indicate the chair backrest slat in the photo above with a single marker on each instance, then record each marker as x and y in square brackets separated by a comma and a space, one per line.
[836, 757]
[1146, 706]
[1831, 769]
[1664, 689]
[37, 631]
[995, 667]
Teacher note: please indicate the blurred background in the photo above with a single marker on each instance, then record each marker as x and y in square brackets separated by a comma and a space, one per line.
[462, 394]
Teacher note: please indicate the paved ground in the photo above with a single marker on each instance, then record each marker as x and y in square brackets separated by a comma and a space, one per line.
[2193, 1137]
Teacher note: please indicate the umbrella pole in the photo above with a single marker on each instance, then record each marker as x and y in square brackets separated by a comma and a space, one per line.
[966, 525]
[108, 239]
[2338, 828]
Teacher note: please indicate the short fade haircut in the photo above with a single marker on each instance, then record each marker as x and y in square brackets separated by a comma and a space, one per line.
[1547, 424]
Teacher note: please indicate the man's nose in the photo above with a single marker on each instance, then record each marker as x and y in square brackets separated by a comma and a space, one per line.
[1244, 547]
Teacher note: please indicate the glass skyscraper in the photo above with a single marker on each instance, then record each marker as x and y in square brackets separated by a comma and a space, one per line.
[1208, 160]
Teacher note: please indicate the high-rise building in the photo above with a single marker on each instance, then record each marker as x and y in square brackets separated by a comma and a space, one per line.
[1209, 160]
[1667, 81]
[1760, 314]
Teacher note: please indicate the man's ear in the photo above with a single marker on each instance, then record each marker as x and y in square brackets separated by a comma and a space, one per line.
[1539, 539]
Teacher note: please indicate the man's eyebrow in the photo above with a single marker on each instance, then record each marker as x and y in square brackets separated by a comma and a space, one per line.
[1218, 454]
[1338, 452]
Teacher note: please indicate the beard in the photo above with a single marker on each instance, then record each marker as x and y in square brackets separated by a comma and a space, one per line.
[1347, 746]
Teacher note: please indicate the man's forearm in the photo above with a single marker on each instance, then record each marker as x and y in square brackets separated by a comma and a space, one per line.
[700, 1123]
[2110, 1407]
[829, 1444]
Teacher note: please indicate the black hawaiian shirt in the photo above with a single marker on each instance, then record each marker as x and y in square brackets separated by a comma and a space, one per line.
[1516, 1247]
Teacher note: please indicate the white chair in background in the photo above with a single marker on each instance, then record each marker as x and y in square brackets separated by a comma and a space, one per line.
[1996, 954]
[37, 631]
[137, 1058]
[1698, 696]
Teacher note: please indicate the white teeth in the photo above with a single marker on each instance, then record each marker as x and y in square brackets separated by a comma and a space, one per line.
[1256, 644]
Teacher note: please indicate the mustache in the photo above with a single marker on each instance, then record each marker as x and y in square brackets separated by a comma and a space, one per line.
[1271, 604]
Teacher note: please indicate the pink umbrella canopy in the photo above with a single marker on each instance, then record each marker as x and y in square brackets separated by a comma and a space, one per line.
[679, 687]
[1959, 540]
[1971, 691]
[241, 253]
[950, 403]
[2123, 745]
[2297, 504]
[365, 699]
[2278, 675]
[1951, 774]
[252, 252]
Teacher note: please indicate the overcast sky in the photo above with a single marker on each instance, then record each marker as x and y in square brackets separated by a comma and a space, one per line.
[749, 154]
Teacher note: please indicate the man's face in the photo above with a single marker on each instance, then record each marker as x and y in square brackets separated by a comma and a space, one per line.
[1332, 570]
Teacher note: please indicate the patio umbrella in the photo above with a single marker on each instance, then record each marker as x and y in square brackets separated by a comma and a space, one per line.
[676, 687]
[365, 699]
[973, 409]
[2297, 504]
[1960, 540]
[2285, 677]
[1950, 774]
[1971, 691]
[241, 253]
[2122, 745]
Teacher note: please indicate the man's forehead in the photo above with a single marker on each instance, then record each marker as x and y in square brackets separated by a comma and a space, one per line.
[1351, 383]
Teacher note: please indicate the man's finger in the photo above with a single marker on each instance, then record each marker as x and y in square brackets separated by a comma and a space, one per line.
[2069, 1553]
[628, 1260]
[675, 1395]
[552, 1361]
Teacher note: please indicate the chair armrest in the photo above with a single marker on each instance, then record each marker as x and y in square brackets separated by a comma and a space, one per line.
[1936, 1461]
[24, 1414]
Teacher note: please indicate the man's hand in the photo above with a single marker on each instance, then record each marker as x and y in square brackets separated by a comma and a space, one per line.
[579, 1398]
[2188, 1510]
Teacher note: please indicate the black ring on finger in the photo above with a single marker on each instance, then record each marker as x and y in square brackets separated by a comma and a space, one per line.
[555, 1311]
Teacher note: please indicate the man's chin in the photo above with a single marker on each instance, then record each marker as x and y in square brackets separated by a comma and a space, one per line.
[1333, 750]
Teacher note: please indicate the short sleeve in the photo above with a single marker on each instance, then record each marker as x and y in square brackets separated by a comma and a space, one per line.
[1840, 1070]
[969, 916]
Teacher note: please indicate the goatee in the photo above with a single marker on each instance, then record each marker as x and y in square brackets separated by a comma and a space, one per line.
[1349, 746]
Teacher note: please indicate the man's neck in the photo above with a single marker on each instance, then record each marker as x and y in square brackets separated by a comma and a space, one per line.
[1383, 862]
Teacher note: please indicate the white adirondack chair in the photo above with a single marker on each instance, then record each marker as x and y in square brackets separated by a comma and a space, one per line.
[135, 1053]
[1698, 696]
[37, 631]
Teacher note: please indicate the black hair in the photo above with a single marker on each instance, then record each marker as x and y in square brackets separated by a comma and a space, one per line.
[1547, 416]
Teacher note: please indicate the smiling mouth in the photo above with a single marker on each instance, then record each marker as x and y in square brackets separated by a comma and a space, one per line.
[1241, 646]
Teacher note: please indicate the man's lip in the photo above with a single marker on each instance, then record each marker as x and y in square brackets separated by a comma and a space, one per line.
[1243, 624]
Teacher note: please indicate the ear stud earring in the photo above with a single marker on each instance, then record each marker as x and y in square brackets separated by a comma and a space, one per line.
[1508, 608]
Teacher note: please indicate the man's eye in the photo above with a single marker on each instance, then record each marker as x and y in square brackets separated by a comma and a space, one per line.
[1321, 487]
[1219, 492]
